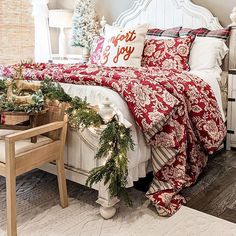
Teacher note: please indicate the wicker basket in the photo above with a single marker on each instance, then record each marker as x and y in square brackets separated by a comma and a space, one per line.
[11, 118]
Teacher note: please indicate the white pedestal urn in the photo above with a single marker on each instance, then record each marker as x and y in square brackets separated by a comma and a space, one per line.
[106, 111]
[85, 54]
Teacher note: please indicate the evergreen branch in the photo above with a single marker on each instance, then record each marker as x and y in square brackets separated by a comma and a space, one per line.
[54, 91]
[82, 115]
[115, 141]
[114, 177]
[3, 86]
[36, 105]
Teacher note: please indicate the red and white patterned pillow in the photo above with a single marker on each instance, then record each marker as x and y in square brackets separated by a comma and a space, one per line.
[167, 53]
[96, 51]
[203, 32]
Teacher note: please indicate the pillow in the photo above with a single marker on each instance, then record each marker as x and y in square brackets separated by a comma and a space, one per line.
[96, 50]
[168, 53]
[123, 47]
[203, 32]
[209, 48]
[207, 53]
[169, 33]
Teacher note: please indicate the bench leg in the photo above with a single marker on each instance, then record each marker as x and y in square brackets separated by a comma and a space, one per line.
[11, 188]
[11, 204]
[62, 182]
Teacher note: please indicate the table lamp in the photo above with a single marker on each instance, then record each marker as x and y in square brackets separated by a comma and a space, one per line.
[61, 18]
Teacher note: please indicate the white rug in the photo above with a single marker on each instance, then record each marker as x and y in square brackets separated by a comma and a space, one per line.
[82, 219]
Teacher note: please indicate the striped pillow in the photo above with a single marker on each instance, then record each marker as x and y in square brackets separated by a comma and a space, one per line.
[171, 33]
[203, 32]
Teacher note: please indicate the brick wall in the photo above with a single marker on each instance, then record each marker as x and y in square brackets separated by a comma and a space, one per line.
[16, 31]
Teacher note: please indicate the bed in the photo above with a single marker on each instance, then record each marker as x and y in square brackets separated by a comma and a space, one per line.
[81, 147]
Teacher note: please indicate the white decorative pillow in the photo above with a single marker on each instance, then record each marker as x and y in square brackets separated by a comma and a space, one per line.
[123, 47]
[207, 53]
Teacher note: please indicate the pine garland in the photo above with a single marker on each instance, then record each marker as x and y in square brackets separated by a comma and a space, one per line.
[3, 86]
[115, 139]
[8, 105]
[82, 115]
[53, 91]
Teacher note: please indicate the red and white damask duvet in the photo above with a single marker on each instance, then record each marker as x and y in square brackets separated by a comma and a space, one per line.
[176, 111]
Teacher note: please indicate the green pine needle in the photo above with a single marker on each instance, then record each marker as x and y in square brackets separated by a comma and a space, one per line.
[54, 91]
[115, 141]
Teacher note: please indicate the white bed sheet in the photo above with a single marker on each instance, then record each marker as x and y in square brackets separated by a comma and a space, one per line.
[138, 159]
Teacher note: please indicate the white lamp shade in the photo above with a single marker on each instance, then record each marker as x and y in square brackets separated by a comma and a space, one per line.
[60, 18]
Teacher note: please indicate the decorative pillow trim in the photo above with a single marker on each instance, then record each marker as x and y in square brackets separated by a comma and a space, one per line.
[203, 32]
[172, 32]
[96, 51]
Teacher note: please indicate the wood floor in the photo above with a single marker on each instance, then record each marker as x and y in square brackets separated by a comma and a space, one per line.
[215, 191]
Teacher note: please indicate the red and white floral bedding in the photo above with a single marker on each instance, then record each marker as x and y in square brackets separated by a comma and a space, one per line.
[176, 111]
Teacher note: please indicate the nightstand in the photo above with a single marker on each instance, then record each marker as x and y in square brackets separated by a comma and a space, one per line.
[231, 111]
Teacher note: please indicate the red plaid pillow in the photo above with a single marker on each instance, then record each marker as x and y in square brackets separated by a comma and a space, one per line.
[96, 54]
[203, 32]
[168, 53]
[172, 32]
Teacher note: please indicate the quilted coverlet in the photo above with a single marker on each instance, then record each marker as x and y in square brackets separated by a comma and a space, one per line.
[176, 111]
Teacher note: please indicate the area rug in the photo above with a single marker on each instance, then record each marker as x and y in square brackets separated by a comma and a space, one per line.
[40, 215]
[84, 219]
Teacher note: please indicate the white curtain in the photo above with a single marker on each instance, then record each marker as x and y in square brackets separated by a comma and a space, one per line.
[42, 35]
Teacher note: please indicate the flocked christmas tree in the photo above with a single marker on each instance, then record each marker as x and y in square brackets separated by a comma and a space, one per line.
[85, 24]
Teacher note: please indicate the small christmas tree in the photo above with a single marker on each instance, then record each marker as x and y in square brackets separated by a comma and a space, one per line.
[85, 25]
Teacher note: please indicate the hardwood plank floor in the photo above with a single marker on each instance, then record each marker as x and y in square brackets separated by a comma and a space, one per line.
[215, 191]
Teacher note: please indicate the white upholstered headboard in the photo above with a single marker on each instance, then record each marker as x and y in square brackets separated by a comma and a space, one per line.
[168, 13]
